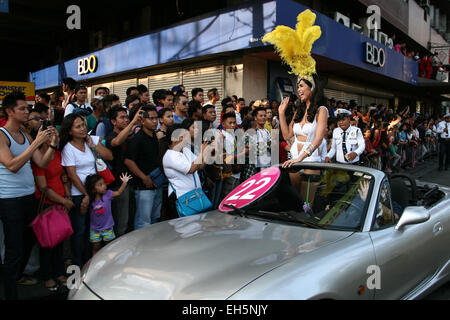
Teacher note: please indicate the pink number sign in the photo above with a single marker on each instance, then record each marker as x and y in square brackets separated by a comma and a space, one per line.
[251, 190]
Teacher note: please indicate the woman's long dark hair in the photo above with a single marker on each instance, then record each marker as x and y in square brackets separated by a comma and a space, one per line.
[317, 100]
[66, 126]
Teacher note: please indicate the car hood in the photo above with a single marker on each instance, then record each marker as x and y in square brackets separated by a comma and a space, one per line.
[207, 256]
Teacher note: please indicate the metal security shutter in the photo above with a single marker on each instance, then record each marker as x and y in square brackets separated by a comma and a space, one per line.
[366, 100]
[144, 81]
[384, 102]
[108, 85]
[90, 93]
[163, 81]
[120, 88]
[352, 96]
[330, 93]
[206, 77]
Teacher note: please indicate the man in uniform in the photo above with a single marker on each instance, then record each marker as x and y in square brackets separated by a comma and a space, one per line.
[348, 141]
[443, 129]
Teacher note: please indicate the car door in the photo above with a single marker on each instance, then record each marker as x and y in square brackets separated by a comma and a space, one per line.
[439, 227]
[402, 256]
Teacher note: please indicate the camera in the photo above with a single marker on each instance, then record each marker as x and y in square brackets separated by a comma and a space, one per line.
[46, 124]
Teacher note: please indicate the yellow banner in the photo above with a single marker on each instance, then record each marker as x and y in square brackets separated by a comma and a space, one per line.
[27, 88]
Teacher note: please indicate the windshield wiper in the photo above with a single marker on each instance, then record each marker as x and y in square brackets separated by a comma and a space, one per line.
[293, 217]
[236, 210]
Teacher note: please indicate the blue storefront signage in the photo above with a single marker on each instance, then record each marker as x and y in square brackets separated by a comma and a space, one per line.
[375, 55]
[4, 6]
[231, 30]
[349, 46]
[220, 32]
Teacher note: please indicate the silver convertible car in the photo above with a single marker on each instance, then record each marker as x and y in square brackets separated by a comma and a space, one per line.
[322, 231]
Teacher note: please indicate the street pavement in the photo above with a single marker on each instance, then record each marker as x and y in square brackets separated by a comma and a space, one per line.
[426, 171]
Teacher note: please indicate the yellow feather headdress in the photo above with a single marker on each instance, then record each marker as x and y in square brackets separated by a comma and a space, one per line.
[294, 46]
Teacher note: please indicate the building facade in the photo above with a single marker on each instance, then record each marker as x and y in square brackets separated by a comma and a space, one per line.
[224, 50]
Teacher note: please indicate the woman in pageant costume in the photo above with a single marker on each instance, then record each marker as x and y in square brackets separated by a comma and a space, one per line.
[309, 124]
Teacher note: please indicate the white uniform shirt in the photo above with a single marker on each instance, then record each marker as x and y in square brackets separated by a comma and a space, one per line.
[440, 129]
[354, 143]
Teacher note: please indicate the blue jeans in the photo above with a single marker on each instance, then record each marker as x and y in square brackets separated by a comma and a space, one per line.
[148, 207]
[79, 241]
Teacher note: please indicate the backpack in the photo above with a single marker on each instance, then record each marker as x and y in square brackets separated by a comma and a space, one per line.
[81, 110]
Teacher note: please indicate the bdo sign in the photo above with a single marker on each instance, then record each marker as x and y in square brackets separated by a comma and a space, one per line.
[375, 55]
[87, 65]
[251, 190]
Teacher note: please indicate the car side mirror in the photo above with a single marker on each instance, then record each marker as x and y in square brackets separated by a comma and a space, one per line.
[412, 215]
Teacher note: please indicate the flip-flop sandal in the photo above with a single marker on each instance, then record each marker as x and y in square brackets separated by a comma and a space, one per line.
[53, 288]
[27, 281]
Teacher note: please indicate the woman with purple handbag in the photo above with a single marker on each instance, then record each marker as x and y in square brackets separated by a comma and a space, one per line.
[52, 189]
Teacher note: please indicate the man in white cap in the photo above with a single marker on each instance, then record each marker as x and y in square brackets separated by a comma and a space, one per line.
[443, 129]
[348, 141]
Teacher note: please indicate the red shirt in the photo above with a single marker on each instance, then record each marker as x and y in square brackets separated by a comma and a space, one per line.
[369, 146]
[3, 121]
[52, 175]
[283, 152]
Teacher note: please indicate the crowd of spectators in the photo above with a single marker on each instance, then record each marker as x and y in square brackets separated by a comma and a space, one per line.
[430, 65]
[59, 140]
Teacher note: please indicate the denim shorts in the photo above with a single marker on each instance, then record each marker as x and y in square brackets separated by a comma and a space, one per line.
[105, 235]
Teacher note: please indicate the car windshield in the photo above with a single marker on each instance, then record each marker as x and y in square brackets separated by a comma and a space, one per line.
[327, 199]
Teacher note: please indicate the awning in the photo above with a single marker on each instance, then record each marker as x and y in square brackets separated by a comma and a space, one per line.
[434, 86]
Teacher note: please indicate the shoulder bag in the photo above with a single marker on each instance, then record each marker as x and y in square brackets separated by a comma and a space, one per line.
[192, 202]
[102, 169]
[52, 225]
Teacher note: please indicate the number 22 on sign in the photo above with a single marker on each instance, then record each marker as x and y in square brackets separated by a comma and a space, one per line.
[251, 190]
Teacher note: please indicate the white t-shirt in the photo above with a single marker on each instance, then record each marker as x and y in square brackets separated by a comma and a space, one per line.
[176, 167]
[263, 139]
[84, 162]
[230, 147]
[238, 118]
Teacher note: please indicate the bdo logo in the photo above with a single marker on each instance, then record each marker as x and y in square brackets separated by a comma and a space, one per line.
[375, 55]
[87, 65]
